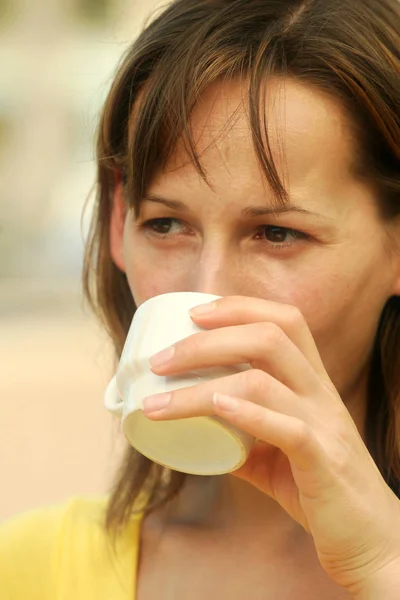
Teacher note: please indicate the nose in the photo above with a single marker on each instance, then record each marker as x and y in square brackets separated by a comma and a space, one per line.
[216, 272]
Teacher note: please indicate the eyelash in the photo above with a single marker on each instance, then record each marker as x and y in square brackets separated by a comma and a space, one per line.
[294, 233]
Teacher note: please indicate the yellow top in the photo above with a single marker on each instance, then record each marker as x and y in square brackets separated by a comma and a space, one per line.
[64, 553]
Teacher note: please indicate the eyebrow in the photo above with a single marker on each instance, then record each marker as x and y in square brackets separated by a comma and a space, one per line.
[249, 211]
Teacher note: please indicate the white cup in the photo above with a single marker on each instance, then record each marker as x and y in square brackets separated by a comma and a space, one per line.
[196, 445]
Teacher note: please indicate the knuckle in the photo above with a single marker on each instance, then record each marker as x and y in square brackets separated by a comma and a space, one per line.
[340, 452]
[303, 437]
[259, 420]
[191, 346]
[294, 317]
[340, 464]
[269, 334]
[257, 381]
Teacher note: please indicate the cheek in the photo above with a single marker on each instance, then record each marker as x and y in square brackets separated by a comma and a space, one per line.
[318, 295]
[342, 309]
[141, 285]
[343, 287]
[335, 305]
[150, 276]
[310, 285]
[312, 292]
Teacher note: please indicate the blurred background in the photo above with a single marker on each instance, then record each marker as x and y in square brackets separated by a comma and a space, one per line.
[57, 60]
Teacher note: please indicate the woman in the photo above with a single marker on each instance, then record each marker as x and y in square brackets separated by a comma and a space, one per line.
[250, 149]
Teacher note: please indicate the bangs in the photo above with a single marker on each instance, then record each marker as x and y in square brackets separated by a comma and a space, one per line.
[161, 115]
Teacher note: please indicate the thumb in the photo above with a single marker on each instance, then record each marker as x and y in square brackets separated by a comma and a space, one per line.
[268, 469]
[258, 466]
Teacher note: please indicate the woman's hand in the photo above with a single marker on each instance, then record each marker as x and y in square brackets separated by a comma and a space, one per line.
[309, 456]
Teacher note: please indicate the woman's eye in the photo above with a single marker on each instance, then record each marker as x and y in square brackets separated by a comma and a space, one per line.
[163, 226]
[277, 238]
[280, 236]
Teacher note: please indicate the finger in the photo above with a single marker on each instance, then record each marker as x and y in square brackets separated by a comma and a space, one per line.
[259, 466]
[293, 436]
[262, 345]
[197, 400]
[241, 310]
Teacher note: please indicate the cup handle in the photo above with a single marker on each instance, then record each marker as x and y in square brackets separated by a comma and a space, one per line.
[112, 400]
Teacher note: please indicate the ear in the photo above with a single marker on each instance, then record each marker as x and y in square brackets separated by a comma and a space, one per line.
[117, 225]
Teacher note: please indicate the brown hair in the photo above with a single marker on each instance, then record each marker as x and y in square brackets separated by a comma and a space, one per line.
[347, 48]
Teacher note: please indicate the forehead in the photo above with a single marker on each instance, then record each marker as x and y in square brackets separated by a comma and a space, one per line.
[308, 133]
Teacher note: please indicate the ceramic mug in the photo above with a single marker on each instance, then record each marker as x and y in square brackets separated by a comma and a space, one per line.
[197, 445]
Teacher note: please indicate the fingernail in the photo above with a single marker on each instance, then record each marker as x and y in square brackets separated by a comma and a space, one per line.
[203, 309]
[162, 358]
[225, 402]
[153, 403]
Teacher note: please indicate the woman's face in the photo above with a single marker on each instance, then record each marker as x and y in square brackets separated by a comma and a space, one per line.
[329, 254]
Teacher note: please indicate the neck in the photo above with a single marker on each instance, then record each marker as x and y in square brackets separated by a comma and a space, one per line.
[228, 506]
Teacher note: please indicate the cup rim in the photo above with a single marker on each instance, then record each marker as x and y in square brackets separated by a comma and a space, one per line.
[153, 299]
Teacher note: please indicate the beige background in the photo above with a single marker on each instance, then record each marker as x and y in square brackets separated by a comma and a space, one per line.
[57, 61]
[56, 439]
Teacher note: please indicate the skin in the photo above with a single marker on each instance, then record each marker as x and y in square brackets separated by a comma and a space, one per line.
[315, 297]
